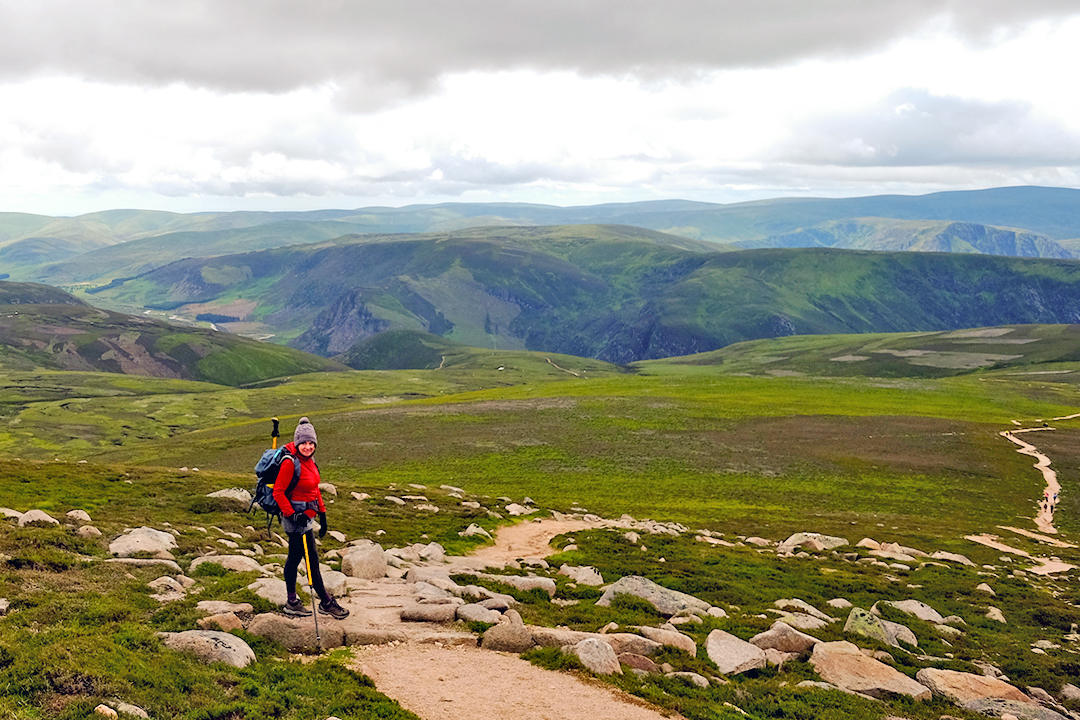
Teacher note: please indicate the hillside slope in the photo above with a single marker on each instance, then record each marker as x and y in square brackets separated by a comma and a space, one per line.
[79, 337]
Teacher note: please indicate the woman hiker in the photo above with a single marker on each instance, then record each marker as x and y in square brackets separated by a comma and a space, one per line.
[298, 520]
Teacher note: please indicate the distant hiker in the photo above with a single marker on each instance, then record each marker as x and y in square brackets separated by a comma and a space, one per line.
[298, 512]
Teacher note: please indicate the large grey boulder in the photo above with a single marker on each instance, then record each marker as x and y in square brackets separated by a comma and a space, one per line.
[733, 655]
[961, 687]
[667, 602]
[784, 638]
[844, 665]
[156, 543]
[597, 656]
[211, 646]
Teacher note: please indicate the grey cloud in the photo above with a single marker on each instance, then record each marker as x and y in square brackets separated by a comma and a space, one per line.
[912, 127]
[378, 51]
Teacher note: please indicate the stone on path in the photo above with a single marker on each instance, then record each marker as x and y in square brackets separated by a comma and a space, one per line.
[367, 561]
[960, 687]
[733, 655]
[298, 633]
[510, 635]
[211, 646]
[843, 664]
[667, 602]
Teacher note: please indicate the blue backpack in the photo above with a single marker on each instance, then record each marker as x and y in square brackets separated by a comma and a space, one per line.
[266, 473]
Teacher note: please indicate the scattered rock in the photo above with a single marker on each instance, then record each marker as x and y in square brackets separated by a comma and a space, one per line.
[474, 612]
[211, 646]
[995, 614]
[144, 540]
[912, 607]
[803, 607]
[37, 516]
[215, 607]
[597, 656]
[784, 638]
[1070, 692]
[638, 662]
[995, 707]
[238, 494]
[984, 588]
[475, 529]
[79, 516]
[952, 557]
[226, 622]
[166, 589]
[810, 539]
[842, 664]
[88, 531]
[667, 602]
[586, 575]
[670, 638]
[690, 677]
[440, 613]
[733, 655]
[839, 603]
[128, 709]
[105, 711]
[235, 563]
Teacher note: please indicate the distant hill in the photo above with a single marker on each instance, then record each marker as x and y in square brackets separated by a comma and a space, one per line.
[78, 337]
[918, 236]
[88, 249]
[613, 293]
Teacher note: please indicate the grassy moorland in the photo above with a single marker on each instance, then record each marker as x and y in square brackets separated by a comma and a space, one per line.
[913, 456]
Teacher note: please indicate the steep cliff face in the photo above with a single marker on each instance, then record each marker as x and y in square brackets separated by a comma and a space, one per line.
[340, 326]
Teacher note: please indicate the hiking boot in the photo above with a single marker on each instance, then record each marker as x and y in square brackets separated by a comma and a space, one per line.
[295, 608]
[333, 609]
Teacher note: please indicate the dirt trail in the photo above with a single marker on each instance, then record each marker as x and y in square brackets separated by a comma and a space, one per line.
[457, 682]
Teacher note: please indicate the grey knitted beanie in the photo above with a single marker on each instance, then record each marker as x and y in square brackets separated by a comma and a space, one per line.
[305, 432]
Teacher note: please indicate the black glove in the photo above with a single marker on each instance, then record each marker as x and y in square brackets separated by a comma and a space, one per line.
[322, 524]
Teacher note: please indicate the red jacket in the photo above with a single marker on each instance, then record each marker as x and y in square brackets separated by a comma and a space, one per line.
[307, 486]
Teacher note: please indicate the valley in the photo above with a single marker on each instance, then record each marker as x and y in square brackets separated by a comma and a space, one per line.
[676, 410]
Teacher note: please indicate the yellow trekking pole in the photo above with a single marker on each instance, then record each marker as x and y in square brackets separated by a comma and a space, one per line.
[274, 435]
[311, 588]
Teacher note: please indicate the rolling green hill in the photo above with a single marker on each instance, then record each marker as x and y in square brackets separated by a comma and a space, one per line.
[74, 336]
[613, 293]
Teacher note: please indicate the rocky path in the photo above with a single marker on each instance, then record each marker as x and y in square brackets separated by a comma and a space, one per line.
[448, 681]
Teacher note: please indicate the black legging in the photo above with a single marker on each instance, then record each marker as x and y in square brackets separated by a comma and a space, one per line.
[296, 556]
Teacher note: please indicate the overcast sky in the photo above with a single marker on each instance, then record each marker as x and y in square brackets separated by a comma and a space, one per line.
[191, 105]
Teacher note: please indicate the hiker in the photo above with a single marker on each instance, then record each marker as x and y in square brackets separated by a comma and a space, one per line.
[298, 512]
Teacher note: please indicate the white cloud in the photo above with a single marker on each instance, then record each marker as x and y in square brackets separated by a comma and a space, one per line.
[195, 104]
